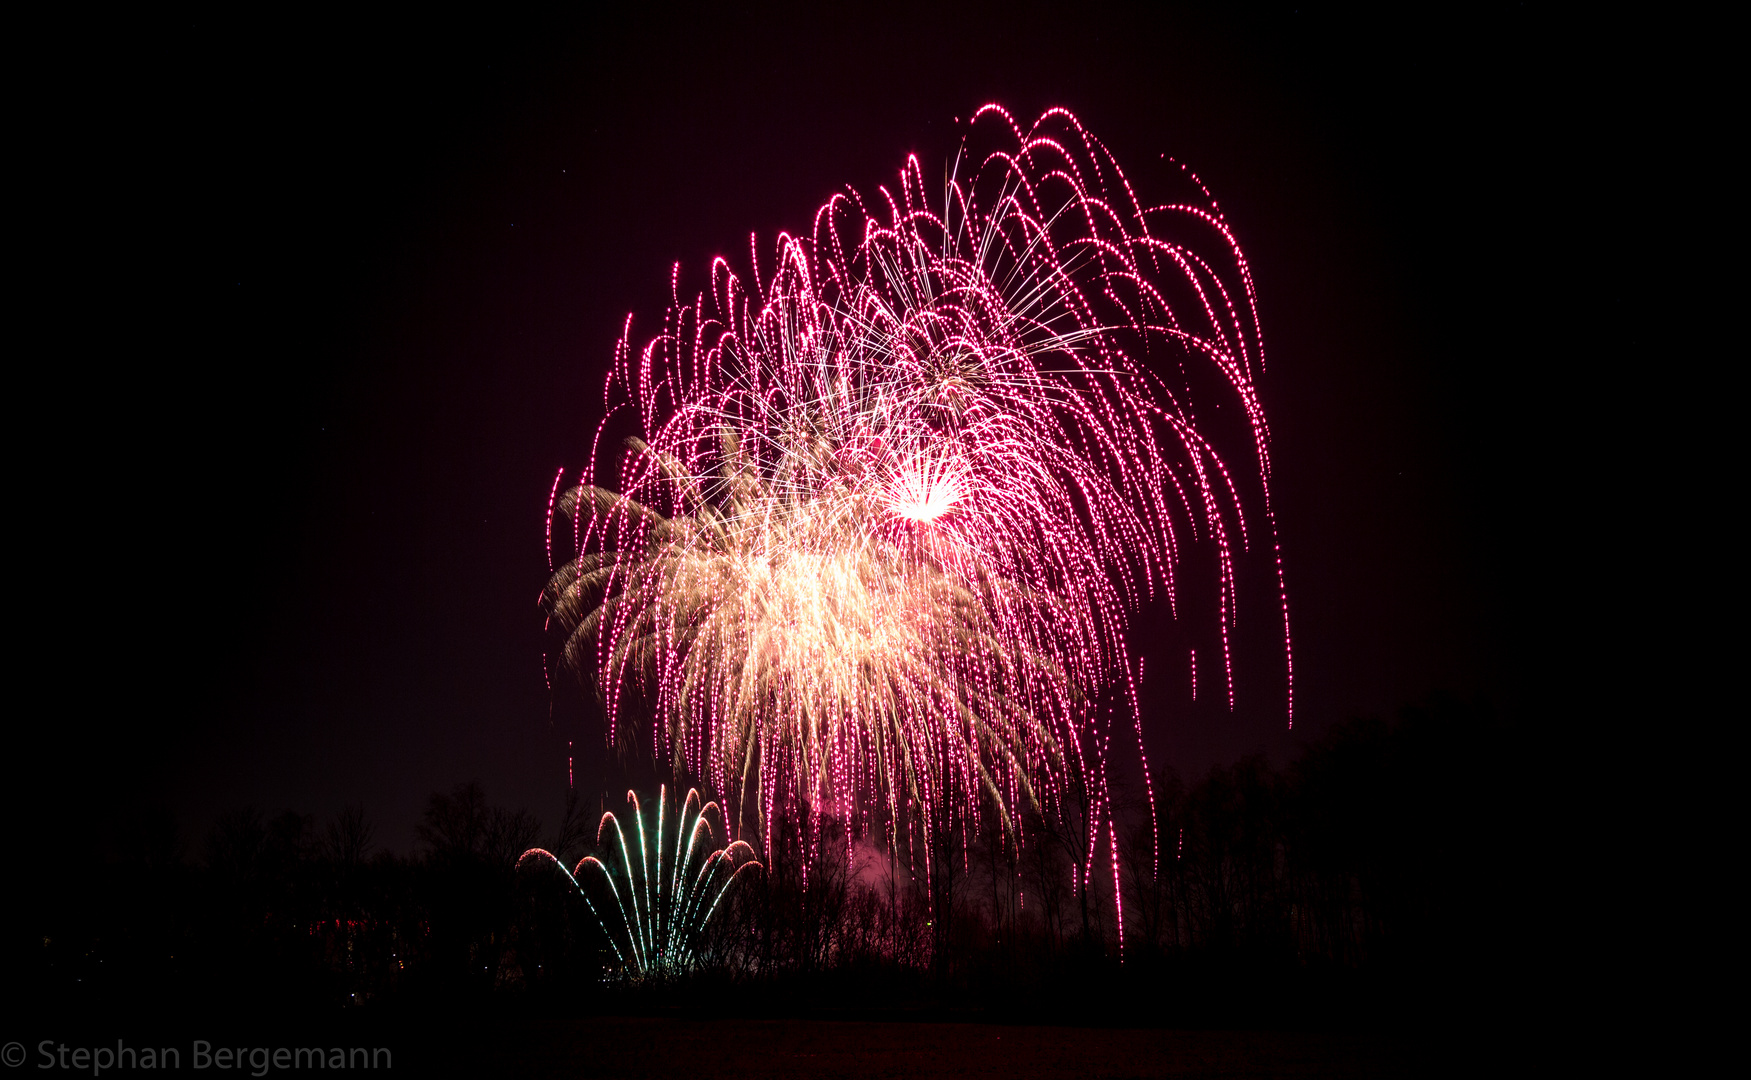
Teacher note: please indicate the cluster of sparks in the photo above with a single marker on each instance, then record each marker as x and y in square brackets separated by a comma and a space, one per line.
[656, 905]
[889, 504]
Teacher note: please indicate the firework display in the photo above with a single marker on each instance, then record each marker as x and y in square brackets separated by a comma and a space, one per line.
[661, 890]
[887, 504]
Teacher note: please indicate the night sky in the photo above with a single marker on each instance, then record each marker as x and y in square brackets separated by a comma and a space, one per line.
[351, 289]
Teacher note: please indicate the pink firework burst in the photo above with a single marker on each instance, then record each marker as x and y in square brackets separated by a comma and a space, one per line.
[893, 500]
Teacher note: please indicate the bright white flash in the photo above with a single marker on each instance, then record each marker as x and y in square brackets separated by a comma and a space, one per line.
[924, 492]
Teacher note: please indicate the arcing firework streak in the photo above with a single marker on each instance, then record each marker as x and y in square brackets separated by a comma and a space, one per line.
[660, 909]
[875, 548]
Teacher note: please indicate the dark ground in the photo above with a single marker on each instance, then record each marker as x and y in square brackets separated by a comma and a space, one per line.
[640, 1047]
[495, 1042]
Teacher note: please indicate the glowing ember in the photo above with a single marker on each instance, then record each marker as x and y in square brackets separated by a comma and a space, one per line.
[892, 500]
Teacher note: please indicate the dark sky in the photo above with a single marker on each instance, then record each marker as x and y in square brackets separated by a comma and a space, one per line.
[352, 287]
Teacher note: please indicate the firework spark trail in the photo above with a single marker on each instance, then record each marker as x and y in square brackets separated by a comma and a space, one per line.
[875, 545]
[661, 911]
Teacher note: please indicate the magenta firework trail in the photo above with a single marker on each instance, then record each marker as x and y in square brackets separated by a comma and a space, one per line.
[892, 497]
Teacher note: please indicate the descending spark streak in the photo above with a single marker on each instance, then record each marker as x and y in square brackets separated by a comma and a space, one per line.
[662, 912]
[552, 494]
[887, 511]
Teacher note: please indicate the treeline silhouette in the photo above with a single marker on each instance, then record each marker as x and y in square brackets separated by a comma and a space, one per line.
[1380, 870]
